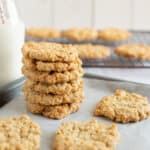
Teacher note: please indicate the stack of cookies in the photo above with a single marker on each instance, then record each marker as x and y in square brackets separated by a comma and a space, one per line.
[53, 87]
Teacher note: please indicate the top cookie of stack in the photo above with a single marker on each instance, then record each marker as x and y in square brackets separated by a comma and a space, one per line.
[51, 52]
[54, 87]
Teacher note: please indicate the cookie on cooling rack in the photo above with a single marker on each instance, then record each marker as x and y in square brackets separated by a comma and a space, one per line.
[43, 33]
[80, 34]
[92, 51]
[139, 51]
[114, 34]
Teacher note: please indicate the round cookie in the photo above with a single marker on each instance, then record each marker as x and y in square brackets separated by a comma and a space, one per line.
[50, 99]
[80, 34]
[58, 89]
[51, 66]
[52, 78]
[138, 51]
[114, 34]
[43, 33]
[52, 52]
[54, 112]
[18, 133]
[86, 136]
[123, 107]
[92, 51]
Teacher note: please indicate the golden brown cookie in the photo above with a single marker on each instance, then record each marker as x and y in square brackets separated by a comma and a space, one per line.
[114, 34]
[54, 112]
[80, 34]
[92, 51]
[51, 99]
[18, 133]
[59, 89]
[86, 136]
[43, 33]
[51, 66]
[123, 107]
[138, 51]
[54, 77]
[52, 52]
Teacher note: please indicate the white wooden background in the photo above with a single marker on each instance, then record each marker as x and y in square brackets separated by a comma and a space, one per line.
[131, 14]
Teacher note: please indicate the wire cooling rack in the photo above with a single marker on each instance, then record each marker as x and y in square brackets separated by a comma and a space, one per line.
[114, 60]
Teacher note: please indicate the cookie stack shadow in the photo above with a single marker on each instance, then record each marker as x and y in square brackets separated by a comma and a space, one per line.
[54, 87]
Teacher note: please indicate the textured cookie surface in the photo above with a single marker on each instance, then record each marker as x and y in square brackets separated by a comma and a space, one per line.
[52, 78]
[52, 52]
[123, 107]
[54, 112]
[92, 51]
[50, 99]
[86, 136]
[139, 51]
[80, 34]
[114, 34]
[51, 66]
[59, 89]
[19, 133]
[43, 33]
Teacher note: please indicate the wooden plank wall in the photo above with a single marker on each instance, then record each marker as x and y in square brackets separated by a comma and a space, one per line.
[132, 14]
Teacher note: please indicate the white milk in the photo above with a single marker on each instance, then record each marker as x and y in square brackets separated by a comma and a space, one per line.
[11, 41]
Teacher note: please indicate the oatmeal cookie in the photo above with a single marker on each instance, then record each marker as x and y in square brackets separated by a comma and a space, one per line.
[86, 136]
[123, 107]
[58, 89]
[43, 33]
[54, 77]
[51, 99]
[54, 112]
[51, 66]
[80, 34]
[52, 52]
[18, 133]
[114, 34]
[138, 51]
[92, 51]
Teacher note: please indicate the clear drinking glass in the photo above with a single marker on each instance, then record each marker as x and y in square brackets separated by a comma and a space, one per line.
[12, 32]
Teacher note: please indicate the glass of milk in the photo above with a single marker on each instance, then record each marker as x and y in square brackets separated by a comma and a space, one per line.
[12, 32]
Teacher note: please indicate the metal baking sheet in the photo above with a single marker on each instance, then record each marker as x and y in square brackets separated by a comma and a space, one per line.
[114, 60]
[134, 136]
[10, 91]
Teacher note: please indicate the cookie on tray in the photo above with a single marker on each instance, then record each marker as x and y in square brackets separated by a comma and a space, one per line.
[80, 34]
[18, 133]
[114, 34]
[59, 89]
[51, 66]
[123, 107]
[54, 112]
[138, 51]
[52, 52]
[86, 136]
[51, 99]
[92, 51]
[54, 77]
[43, 33]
